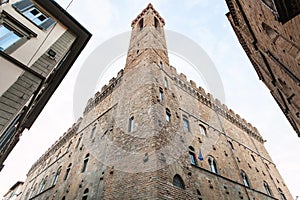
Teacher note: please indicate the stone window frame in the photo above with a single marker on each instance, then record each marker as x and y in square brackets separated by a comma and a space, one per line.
[192, 156]
[230, 144]
[245, 178]
[178, 181]
[68, 171]
[93, 131]
[141, 24]
[203, 130]
[213, 164]
[253, 158]
[168, 115]
[156, 24]
[131, 124]
[161, 94]
[166, 83]
[56, 176]
[85, 194]
[85, 162]
[267, 188]
[43, 184]
[186, 123]
[78, 141]
[283, 197]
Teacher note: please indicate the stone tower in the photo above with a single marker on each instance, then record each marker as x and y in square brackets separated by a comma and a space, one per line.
[151, 134]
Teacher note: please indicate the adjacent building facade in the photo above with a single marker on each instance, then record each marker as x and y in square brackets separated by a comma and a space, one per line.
[14, 192]
[268, 31]
[39, 42]
[152, 134]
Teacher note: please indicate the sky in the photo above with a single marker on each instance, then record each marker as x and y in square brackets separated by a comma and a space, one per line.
[204, 22]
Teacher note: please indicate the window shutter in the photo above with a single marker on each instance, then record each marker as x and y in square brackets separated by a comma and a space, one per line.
[23, 5]
[48, 23]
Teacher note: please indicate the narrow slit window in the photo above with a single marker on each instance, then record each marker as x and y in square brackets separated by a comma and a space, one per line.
[212, 164]
[168, 115]
[131, 124]
[68, 171]
[56, 176]
[161, 94]
[93, 132]
[85, 194]
[166, 83]
[192, 155]
[202, 130]
[245, 179]
[186, 125]
[267, 188]
[85, 162]
[141, 24]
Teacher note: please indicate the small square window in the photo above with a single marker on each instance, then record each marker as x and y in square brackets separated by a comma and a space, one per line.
[31, 12]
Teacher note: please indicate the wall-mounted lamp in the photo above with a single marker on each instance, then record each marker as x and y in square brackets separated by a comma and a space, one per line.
[51, 54]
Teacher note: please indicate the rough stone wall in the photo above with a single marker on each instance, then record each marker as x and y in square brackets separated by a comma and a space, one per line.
[273, 48]
[141, 163]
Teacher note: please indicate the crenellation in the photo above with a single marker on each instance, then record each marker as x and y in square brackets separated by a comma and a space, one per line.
[183, 77]
[57, 145]
[105, 91]
[134, 140]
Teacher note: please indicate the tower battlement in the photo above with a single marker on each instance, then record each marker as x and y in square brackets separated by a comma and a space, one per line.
[150, 133]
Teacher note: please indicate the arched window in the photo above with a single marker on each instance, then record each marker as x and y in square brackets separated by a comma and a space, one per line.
[253, 158]
[43, 183]
[272, 34]
[85, 194]
[161, 65]
[68, 147]
[85, 162]
[178, 182]
[267, 188]
[166, 82]
[168, 115]
[131, 123]
[33, 190]
[78, 142]
[245, 179]
[93, 132]
[230, 144]
[186, 125]
[156, 23]
[192, 155]
[68, 171]
[161, 94]
[281, 194]
[56, 176]
[202, 130]
[141, 24]
[212, 164]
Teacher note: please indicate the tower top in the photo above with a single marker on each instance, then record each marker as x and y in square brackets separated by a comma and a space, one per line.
[144, 12]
